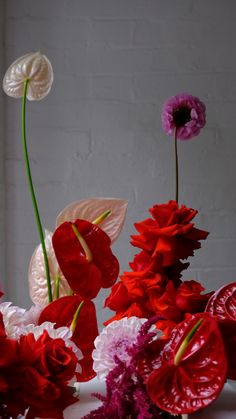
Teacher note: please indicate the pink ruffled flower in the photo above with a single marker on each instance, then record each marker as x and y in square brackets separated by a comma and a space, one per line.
[114, 341]
[184, 113]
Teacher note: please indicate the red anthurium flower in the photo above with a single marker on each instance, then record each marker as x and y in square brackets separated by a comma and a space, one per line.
[85, 273]
[170, 234]
[228, 332]
[61, 312]
[189, 298]
[191, 369]
[223, 302]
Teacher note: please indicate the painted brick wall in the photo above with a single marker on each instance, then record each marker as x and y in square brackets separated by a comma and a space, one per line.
[99, 133]
[2, 145]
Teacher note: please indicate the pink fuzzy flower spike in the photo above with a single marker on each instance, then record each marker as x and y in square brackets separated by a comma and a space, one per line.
[184, 113]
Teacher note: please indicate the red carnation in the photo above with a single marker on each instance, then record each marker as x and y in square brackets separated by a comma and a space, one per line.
[85, 277]
[170, 234]
[189, 298]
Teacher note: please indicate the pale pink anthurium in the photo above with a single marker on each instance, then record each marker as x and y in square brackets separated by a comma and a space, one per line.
[92, 209]
[37, 276]
[34, 67]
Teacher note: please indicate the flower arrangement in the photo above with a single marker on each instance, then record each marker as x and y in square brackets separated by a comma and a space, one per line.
[168, 349]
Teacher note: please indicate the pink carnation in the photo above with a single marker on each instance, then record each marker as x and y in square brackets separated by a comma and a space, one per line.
[185, 114]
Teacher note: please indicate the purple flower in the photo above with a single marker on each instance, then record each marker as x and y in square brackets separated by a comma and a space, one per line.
[185, 114]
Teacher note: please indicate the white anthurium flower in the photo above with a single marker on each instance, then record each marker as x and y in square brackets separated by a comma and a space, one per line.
[93, 210]
[37, 275]
[113, 341]
[37, 69]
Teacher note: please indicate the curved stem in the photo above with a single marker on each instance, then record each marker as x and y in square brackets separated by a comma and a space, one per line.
[31, 187]
[176, 169]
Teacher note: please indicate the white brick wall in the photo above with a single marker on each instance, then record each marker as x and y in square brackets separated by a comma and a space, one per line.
[99, 133]
[3, 283]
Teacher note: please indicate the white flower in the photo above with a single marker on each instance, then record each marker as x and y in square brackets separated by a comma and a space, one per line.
[12, 318]
[15, 318]
[114, 341]
[37, 69]
[37, 275]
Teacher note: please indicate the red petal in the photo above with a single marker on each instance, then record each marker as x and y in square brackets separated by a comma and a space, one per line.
[85, 278]
[62, 312]
[223, 303]
[200, 375]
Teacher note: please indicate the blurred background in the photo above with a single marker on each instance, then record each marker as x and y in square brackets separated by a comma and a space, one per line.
[98, 133]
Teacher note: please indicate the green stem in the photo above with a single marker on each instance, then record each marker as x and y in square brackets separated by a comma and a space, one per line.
[176, 169]
[34, 202]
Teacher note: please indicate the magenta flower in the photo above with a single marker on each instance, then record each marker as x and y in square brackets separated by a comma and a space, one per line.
[185, 114]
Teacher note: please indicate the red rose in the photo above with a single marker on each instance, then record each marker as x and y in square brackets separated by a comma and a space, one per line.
[189, 298]
[53, 358]
[85, 277]
[61, 312]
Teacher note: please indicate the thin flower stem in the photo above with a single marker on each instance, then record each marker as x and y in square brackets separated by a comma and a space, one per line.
[176, 169]
[31, 187]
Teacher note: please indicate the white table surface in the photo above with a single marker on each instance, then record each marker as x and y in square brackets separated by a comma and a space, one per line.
[223, 408]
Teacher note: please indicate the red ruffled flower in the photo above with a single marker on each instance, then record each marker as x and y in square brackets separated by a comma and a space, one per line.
[189, 298]
[170, 235]
[85, 277]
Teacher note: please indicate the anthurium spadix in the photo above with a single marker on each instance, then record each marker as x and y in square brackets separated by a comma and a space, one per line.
[93, 209]
[34, 67]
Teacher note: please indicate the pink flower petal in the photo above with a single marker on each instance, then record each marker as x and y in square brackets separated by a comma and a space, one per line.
[37, 276]
[90, 209]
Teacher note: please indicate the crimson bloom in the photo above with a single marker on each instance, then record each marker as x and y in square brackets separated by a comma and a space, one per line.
[170, 235]
[61, 312]
[191, 369]
[189, 297]
[85, 275]
[34, 376]
[184, 114]
[222, 305]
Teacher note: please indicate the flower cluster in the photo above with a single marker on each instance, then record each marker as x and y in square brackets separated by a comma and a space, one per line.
[36, 370]
[154, 285]
[148, 373]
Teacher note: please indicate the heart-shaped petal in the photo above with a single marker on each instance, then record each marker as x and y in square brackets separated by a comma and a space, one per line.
[186, 383]
[37, 69]
[61, 312]
[84, 276]
[223, 302]
[91, 209]
[37, 276]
